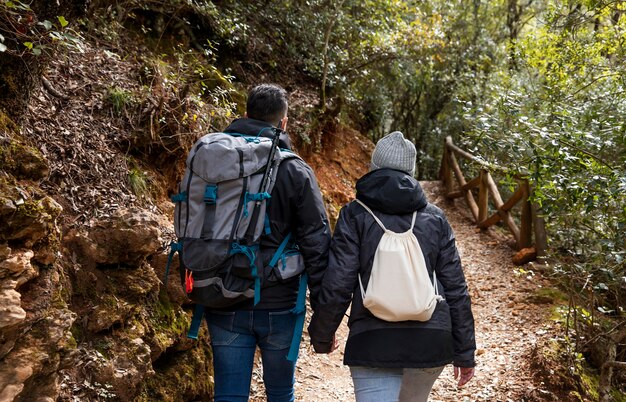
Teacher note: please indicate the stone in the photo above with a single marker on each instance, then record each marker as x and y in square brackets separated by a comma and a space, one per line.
[45, 255]
[31, 221]
[11, 312]
[104, 317]
[23, 161]
[29, 371]
[130, 363]
[15, 372]
[133, 285]
[10, 391]
[19, 267]
[5, 251]
[58, 327]
[174, 288]
[7, 206]
[19, 262]
[126, 238]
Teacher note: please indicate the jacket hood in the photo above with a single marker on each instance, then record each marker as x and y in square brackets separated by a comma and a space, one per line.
[391, 191]
[254, 127]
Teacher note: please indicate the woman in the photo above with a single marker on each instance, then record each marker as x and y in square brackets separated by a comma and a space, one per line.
[391, 361]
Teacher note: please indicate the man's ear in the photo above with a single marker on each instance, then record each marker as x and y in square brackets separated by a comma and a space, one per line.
[283, 123]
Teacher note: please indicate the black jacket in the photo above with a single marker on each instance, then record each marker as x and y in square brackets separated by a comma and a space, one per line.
[448, 336]
[296, 206]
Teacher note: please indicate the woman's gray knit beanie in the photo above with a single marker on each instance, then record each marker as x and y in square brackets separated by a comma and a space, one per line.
[394, 152]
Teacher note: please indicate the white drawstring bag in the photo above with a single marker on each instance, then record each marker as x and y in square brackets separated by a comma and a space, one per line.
[399, 288]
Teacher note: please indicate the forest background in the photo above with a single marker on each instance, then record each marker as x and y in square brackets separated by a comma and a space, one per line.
[534, 86]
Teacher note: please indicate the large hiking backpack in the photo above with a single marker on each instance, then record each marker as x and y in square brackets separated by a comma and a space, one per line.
[399, 287]
[219, 218]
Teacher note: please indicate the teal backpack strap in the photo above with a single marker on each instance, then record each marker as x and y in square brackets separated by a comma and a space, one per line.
[300, 308]
[279, 251]
[174, 248]
[253, 197]
[196, 320]
[266, 225]
[250, 252]
[300, 311]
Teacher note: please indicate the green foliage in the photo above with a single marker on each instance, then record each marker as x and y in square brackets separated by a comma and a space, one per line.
[138, 182]
[552, 104]
[119, 99]
[558, 116]
[25, 34]
[368, 59]
[189, 96]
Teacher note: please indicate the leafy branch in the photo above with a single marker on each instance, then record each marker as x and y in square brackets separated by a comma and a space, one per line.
[21, 33]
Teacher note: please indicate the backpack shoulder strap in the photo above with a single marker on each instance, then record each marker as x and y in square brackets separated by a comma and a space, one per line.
[413, 221]
[379, 221]
[372, 213]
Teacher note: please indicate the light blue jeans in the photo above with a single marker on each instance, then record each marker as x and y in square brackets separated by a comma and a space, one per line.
[393, 385]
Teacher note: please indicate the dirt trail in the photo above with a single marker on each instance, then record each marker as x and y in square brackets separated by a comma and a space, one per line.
[510, 320]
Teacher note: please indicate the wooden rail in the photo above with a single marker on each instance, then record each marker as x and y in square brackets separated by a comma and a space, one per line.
[457, 186]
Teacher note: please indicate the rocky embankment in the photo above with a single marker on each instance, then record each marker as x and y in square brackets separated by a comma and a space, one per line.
[83, 312]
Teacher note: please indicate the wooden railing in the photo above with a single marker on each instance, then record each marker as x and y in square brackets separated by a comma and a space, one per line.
[486, 215]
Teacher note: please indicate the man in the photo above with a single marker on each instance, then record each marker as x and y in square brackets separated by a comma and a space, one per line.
[295, 207]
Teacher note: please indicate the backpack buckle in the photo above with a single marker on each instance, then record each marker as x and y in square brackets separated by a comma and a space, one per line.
[210, 194]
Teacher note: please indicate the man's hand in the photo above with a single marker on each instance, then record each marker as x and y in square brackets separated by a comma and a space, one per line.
[463, 374]
[326, 347]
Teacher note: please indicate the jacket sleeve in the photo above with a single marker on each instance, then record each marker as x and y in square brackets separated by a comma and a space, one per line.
[339, 283]
[311, 229]
[450, 274]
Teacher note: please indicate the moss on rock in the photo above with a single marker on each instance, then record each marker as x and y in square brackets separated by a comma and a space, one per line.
[17, 158]
[6, 124]
[28, 216]
[184, 377]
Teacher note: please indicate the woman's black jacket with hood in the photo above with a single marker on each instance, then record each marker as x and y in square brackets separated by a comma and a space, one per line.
[448, 336]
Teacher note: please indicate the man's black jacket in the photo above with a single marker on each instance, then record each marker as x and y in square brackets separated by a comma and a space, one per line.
[296, 206]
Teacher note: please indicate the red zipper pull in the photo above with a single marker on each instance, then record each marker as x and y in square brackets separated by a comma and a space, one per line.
[188, 281]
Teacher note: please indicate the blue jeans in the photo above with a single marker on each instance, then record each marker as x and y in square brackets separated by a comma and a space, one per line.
[393, 385]
[234, 338]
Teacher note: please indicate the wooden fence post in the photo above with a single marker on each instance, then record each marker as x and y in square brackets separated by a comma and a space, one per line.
[483, 196]
[505, 215]
[446, 172]
[469, 197]
[531, 220]
[526, 234]
[541, 239]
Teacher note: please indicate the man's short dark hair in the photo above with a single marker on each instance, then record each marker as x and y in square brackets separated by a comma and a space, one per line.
[267, 102]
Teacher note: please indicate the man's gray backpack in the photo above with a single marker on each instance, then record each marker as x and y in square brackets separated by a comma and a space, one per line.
[220, 216]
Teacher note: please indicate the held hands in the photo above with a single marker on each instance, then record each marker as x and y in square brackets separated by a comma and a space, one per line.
[463, 374]
[325, 347]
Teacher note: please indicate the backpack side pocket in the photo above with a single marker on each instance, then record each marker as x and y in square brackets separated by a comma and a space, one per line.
[289, 265]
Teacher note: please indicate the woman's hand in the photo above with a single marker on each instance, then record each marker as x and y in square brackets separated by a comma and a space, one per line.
[463, 374]
[335, 343]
